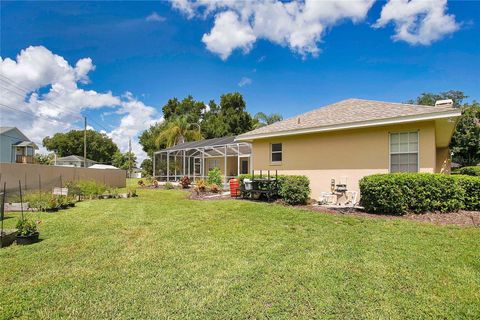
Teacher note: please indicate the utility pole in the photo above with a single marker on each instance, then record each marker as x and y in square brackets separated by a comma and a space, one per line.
[85, 143]
[129, 158]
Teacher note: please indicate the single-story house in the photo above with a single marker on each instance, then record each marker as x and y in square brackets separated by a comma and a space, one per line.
[74, 161]
[334, 145]
[15, 147]
[353, 138]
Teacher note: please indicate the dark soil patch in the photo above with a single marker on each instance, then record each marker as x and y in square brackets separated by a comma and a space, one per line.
[460, 218]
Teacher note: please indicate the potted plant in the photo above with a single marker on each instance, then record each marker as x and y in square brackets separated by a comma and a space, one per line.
[71, 201]
[62, 202]
[7, 237]
[52, 205]
[27, 231]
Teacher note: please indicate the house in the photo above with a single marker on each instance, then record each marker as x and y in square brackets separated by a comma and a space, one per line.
[73, 161]
[196, 158]
[15, 147]
[345, 141]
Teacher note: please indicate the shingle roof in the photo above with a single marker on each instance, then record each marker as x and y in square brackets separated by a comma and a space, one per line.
[25, 144]
[202, 143]
[5, 129]
[348, 111]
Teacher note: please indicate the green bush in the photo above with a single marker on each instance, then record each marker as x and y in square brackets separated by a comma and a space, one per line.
[469, 171]
[26, 227]
[471, 187]
[294, 190]
[400, 193]
[169, 185]
[214, 177]
[91, 189]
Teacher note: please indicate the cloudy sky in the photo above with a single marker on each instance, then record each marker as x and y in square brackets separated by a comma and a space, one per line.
[119, 62]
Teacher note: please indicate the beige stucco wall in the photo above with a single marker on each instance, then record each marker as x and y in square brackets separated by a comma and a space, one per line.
[52, 176]
[231, 165]
[444, 163]
[347, 154]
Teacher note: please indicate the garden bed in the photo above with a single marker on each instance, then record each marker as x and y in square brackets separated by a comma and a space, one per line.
[460, 218]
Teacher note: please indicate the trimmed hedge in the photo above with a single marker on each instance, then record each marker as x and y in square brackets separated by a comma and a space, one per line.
[469, 171]
[471, 185]
[400, 193]
[294, 190]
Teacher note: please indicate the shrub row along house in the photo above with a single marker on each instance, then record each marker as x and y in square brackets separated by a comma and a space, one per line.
[334, 145]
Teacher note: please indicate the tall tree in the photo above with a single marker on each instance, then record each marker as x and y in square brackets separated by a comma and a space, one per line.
[465, 143]
[263, 119]
[125, 160]
[100, 147]
[428, 98]
[188, 108]
[148, 138]
[178, 130]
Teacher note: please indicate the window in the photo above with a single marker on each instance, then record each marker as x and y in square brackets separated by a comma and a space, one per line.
[213, 163]
[404, 152]
[276, 151]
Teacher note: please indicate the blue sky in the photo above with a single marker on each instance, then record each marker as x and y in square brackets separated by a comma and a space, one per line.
[164, 58]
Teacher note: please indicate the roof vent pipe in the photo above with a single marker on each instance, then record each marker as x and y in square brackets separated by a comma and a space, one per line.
[444, 103]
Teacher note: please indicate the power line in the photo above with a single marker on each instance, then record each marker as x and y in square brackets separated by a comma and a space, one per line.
[46, 102]
[25, 92]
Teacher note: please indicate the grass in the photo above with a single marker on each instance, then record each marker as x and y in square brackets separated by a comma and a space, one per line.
[163, 256]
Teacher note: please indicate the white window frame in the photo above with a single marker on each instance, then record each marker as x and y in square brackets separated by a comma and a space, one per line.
[390, 149]
[272, 152]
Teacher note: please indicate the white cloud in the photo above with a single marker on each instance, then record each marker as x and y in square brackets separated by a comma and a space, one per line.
[298, 25]
[301, 25]
[229, 33]
[155, 17]
[418, 21]
[40, 96]
[245, 82]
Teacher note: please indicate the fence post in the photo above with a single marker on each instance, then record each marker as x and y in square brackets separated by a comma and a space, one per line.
[21, 198]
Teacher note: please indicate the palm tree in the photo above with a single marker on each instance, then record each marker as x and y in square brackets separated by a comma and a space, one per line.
[178, 131]
[265, 120]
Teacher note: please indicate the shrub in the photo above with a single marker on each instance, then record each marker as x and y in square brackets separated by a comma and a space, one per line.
[471, 186]
[214, 188]
[399, 193]
[26, 227]
[185, 182]
[294, 190]
[169, 185]
[215, 177]
[469, 171]
[201, 185]
[91, 189]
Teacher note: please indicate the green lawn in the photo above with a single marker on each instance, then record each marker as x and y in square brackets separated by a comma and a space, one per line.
[163, 256]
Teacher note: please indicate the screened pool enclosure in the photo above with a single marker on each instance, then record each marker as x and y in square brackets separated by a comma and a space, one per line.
[196, 158]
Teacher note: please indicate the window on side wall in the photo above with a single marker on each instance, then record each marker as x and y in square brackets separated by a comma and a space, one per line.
[404, 152]
[213, 163]
[276, 153]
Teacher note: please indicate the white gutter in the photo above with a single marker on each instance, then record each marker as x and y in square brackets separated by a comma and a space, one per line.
[352, 125]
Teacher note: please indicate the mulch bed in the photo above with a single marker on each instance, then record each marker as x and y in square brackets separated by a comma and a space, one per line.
[460, 218]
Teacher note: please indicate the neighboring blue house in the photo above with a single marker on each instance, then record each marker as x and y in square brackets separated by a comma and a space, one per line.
[15, 146]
